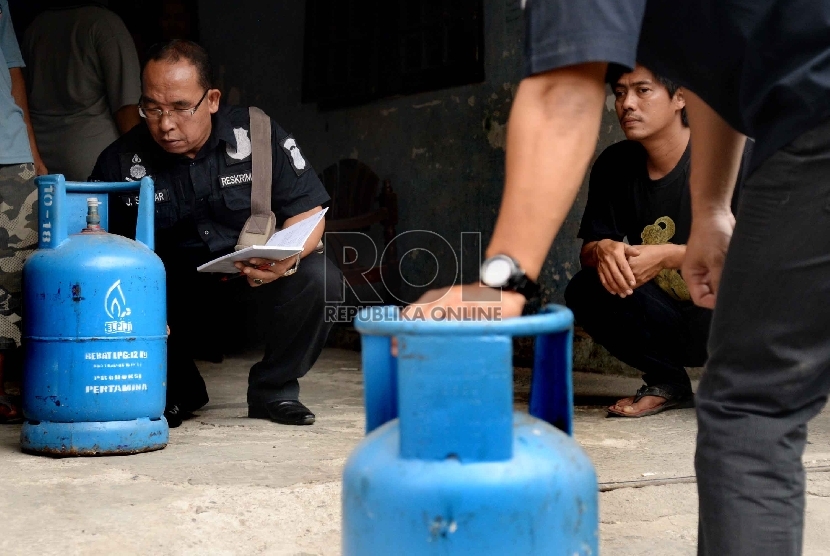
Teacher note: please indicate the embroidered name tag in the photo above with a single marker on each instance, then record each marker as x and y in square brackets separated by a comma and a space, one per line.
[162, 196]
[235, 179]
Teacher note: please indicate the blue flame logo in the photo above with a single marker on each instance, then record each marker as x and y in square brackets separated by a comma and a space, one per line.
[115, 304]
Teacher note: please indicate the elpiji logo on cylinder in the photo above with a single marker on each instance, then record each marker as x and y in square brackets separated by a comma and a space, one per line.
[115, 305]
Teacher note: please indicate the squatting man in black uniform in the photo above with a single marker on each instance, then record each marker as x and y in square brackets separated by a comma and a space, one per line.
[199, 155]
[630, 297]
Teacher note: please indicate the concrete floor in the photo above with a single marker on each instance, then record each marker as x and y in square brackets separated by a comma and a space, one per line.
[230, 485]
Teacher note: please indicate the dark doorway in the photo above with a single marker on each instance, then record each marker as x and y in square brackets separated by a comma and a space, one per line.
[360, 50]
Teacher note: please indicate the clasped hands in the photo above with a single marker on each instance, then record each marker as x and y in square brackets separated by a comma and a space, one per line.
[622, 268]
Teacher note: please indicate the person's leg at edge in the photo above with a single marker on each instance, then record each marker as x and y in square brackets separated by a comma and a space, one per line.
[767, 374]
[648, 330]
[296, 333]
[18, 238]
[9, 411]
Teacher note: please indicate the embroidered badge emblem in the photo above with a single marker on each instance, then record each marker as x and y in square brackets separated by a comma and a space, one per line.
[243, 145]
[292, 149]
[138, 171]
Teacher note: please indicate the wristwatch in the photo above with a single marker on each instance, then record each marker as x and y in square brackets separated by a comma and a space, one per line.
[294, 268]
[504, 272]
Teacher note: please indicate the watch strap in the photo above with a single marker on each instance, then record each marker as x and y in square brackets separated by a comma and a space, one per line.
[294, 268]
[527, 287]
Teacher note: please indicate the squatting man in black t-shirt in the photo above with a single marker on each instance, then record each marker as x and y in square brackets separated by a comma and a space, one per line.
[199, 155]
[630, 297]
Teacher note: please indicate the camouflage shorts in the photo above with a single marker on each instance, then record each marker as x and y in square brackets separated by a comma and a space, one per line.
[18, 238]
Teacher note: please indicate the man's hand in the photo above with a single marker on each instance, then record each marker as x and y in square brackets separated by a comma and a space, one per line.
[259, 276]
[705, 255]
[468, 299]
[613, 268]
[648, 263]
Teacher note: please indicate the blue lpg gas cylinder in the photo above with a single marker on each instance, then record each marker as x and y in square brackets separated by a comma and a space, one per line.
[447, 467]
[95, 341]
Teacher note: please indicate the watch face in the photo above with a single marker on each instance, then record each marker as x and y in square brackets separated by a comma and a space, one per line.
[496, 273]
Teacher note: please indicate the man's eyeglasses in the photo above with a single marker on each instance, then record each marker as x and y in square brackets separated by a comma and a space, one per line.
[176, 113]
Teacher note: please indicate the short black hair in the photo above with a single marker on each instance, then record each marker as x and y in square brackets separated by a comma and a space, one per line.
[616, 71]
[672, 87]
[178, 49]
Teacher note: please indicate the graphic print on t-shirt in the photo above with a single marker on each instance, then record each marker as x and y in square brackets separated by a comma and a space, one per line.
[668, 279]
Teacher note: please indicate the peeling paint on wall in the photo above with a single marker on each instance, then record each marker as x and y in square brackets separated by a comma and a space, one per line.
[387, 111]
[609, 102]
[416, 152]
[427, 104]
[496, 132]
[471, 101]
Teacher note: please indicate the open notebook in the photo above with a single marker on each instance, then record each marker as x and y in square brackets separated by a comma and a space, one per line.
[283, 244]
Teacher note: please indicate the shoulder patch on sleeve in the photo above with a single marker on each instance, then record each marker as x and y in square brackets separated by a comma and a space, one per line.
[295, 155]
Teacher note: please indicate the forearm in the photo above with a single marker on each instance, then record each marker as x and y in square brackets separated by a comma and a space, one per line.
[716, 158]
[551, 137]
[674, 255]
[19, 95]
[588, 255]
[316, 234]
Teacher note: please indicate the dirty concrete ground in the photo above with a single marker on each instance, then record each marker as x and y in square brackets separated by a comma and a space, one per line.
[230, 485]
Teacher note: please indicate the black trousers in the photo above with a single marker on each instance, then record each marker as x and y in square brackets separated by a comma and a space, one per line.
[649, 330]
[769, 366]
[287, 316]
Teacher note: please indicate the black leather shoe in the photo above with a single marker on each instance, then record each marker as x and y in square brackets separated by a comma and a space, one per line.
[175, 415]
[285, 412]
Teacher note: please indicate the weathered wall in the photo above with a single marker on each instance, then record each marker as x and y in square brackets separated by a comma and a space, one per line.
[443, 150]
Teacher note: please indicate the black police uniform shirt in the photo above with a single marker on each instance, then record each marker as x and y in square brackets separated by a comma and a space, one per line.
[201, 204]
[763, 65]
[625, 203]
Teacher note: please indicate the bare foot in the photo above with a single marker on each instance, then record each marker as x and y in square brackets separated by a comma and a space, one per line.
[630, 407]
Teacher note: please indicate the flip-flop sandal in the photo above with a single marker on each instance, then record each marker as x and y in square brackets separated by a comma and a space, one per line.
[12, 415]
[676, 398]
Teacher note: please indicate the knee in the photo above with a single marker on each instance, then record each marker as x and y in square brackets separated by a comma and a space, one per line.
[583, 288]
[322, 279]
